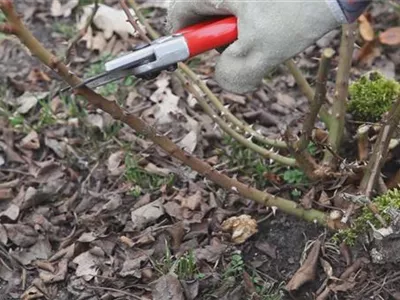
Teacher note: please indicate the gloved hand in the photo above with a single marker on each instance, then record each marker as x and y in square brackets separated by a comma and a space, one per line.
[269, 32]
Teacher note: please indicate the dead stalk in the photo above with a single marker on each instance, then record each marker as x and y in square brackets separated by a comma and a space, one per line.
[112, 108]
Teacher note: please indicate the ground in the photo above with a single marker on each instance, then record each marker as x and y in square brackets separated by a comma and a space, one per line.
[91, 210]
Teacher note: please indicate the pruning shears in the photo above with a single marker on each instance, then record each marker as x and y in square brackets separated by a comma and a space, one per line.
[148, 60]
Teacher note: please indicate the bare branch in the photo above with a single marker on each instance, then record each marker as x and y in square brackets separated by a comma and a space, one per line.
[336, 130]
[319, 99]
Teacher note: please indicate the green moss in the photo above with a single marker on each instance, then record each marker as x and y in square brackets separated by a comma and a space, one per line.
[361, 225]
[371, 96]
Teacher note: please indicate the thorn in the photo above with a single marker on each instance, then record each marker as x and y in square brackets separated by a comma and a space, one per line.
[274, 209]
[7, 28]
[234, 189]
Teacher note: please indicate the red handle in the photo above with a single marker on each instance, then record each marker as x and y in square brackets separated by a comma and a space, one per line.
[209, 35]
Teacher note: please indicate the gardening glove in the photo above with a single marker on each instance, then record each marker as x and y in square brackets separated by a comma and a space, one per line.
[269, 32]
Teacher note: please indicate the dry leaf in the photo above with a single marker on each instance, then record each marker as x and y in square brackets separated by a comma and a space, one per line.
[40, 250]
[153, 169]
[147, 214]
[12, 212]
[307, 271]
[167, 287]
[189, 142]
[21, 235]
[210, 253]
[114, 163]
[29, 100]
[324, 199]
[307, 200]
[58, 10]
[6, 193]
[242, 228]
[31, 141]
[192, 202]
[366, 30]
[390, 36]
[88, 263]
[109, 20]
[58, 276]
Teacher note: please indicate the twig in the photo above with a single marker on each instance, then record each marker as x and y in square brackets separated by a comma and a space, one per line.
[306, 89]
[342, 83]
[16, 27]
[152, 33]
[103, 288]
[231, 132]
[81, 33]
[133, 22]
[206, 90]
[319, 99]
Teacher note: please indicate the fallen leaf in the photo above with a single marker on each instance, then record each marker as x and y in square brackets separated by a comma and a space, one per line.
[210, 253]
[12, 212]
[242, 228]
[147, 214]
[192, 202]
[40, 250]
[88, 263]
[109, 20]
[11, 155]
[366, 30]
[57, 276]
[167, 287]
[95, 120]
[29, 100]
[6, 194]
[114, 163]
[59, 148]
[21, 235]
[307, 271]
[189, 142]
[31, 141]
[324, 199]
[32, 293]
[131, 267]
[266, 248]
[65, 10]
[307, 200]
[153, 169]
[390, 36]
[3, 235]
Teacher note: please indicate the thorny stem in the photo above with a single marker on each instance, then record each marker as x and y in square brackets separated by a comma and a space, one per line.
[81, 32]
[141, 127]
[231, 132]
[133, 22]
[319, 99]
[380, 150]
[226, 112]
[339, 106]
[306, 89]
[206, 90]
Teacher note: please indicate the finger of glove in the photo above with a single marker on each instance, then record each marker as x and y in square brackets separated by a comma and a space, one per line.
[183, 13]
[239, 69]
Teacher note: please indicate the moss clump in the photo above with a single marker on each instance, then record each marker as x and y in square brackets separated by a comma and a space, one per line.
[371, 96]
[361, 224]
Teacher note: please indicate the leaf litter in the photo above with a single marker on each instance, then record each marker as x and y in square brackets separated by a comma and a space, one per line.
[81, 229]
